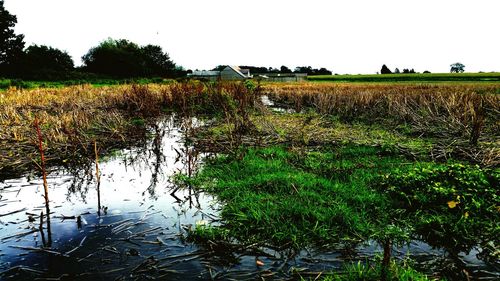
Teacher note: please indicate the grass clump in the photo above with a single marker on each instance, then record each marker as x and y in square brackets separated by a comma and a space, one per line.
[365, 272]
[299, 197]
[293, 196]
[452, 205]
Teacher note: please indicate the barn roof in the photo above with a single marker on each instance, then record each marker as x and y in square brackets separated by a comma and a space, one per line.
[238, 70]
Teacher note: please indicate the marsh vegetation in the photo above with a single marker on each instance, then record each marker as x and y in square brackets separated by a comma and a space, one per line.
[306, 180]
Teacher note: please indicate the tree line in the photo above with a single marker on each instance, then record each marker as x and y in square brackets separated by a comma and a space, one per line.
[283, 69]
[109, 59]
[454, 68]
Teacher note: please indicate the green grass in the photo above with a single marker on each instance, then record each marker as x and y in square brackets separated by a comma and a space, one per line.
[417, 77]
[300, 197]
[23, 84]
[450, 205]
[297, 197]
[365, 272]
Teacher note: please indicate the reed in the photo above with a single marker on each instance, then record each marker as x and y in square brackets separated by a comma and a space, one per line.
[98, 179]
[434, 110]
[75, 116]
[44, 176]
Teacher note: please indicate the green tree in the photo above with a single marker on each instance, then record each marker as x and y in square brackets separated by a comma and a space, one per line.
[284, 69]
[124, 59]
[44, 62]
[386, 70]
[156, 62]
[11, 45]
[457, 68]
[116, 58]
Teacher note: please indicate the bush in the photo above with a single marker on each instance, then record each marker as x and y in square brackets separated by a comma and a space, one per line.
[455, 205]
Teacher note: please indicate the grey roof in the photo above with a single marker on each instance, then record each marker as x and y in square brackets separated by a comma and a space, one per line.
[205, 73]
[237, 70]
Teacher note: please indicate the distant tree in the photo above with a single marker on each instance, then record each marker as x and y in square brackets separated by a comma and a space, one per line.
[48, 57]
[117, 58]
[304, 69]
[43, 62]
[323, 71]
[427, 71]
[457, 68]
[406, 70]
[385, 70]
[156, 62]
[312, 71]
[11, 45]
[397, 71]
[284, 69]
[412, 70]
[124, 59]
[257, 69]
[273, 70]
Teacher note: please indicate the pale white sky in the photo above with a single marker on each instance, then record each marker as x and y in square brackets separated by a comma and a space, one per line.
[350, 36]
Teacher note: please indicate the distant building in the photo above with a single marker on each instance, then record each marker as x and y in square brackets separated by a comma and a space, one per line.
[284, 77]
[204, 74]
[228, 73]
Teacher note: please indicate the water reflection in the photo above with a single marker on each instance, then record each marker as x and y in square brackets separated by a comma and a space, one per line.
[136, 217]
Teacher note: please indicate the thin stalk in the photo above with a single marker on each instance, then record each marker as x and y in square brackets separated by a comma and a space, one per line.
[386, 260]
[41, 228]
[98, 179]
[44, 175]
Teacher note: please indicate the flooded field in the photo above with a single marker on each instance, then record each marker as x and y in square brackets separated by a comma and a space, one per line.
[312, 206]
[136, 222]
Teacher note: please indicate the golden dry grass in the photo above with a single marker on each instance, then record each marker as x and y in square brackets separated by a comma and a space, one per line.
[72, 118]
[439, 110]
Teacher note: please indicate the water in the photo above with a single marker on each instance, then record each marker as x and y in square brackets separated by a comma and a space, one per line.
[135, 224]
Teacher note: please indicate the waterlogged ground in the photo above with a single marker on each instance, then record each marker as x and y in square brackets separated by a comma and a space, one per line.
[135, 225]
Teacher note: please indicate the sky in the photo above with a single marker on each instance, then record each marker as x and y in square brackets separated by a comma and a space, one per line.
[350, 36]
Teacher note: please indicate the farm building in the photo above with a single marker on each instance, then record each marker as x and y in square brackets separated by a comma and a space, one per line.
[284, 77]
[228, 73]
[205, 74]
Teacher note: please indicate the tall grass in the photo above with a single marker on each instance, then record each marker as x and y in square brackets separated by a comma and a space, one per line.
[434, 110]
[71, 118]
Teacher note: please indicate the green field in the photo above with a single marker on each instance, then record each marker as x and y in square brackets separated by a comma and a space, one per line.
[25, 84]
[417, 77]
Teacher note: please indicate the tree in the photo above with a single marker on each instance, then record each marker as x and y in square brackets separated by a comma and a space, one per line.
[284, 69]
[117, 58]
[11, 45]
[124, 59]
[322, 71]
[157, 63]
[43, 62]
[397, 71]
[273, 70]
[304, 69]
[385, 70]
[457, 67]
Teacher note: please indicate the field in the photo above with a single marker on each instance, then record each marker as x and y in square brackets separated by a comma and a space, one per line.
[22, 84]
[416, 77]
[316, 167]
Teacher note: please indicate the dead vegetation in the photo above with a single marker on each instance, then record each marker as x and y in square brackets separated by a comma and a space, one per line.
[462, 120]
[72, 118]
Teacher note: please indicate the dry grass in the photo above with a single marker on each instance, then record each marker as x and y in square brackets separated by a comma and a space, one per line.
[72, 118]
[462, 120]
[465, 111]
